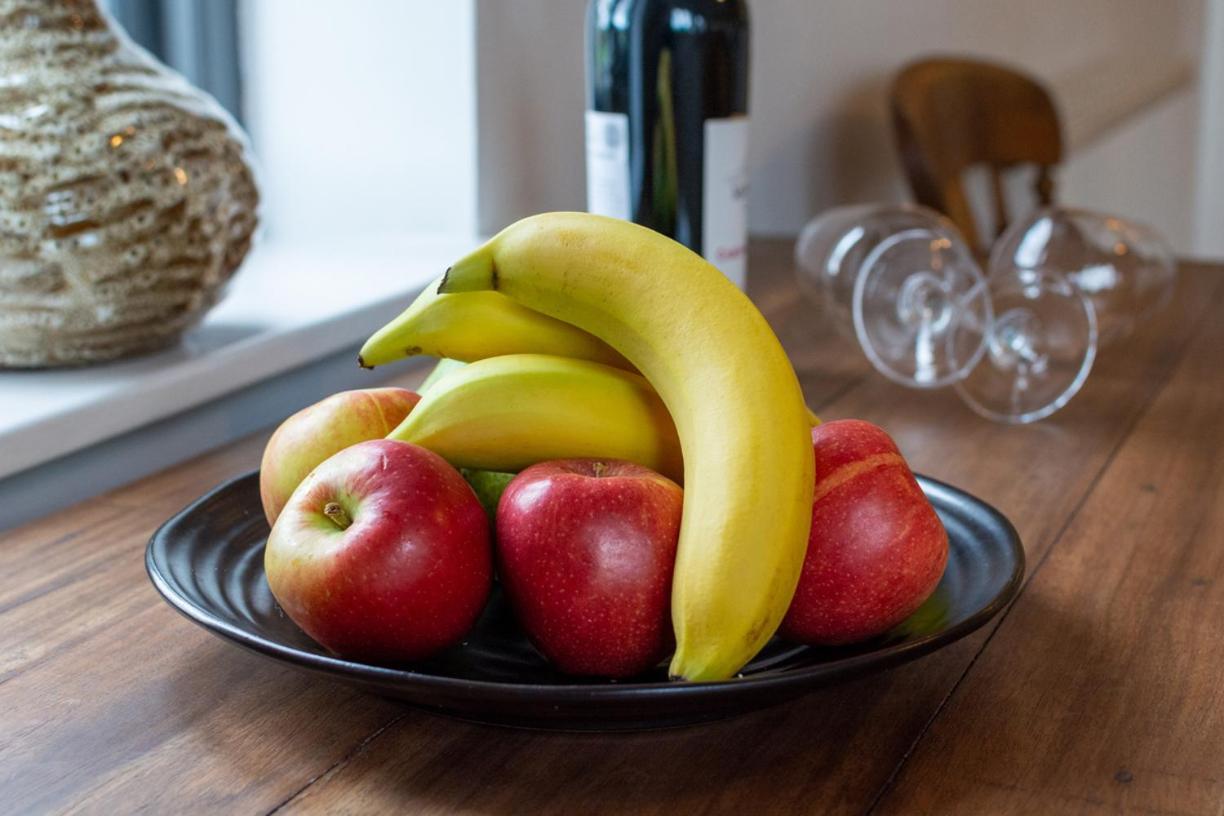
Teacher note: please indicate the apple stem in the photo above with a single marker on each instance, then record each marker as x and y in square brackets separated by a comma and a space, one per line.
[599, 468]
[337, 514]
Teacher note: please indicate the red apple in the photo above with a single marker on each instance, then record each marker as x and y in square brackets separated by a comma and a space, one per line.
[877, 549]
[311, 435]
[382, 553]
[585, 552]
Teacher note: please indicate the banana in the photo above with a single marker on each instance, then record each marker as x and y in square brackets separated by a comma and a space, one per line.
[478, 325]
[737, 406]
[505, 413]
[447, 365]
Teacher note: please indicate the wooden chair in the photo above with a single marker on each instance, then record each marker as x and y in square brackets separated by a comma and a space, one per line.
[953, 114]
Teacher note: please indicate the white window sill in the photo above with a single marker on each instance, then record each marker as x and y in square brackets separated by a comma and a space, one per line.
[288, 307]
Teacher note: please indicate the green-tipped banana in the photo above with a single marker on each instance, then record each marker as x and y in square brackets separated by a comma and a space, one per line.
[477, 325]
[505, 413]
[728, 385]
[445, 366]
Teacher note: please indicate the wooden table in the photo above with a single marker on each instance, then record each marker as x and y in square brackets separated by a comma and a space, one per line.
[1100, 690]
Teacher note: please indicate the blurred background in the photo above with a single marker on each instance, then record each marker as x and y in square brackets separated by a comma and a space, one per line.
[458, 117]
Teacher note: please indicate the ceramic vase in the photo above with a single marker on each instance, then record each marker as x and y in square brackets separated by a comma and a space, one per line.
[127, 200]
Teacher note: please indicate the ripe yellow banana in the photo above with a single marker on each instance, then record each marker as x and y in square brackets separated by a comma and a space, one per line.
[730, 389]
[477, 325]
[505, 413]
[447, 365]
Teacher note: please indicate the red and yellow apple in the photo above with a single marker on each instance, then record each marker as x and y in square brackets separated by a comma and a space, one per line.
[382, 553]
[877, 548]
[585, 552]
[313, 434]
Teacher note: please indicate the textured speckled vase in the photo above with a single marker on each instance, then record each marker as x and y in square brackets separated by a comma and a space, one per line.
[126, 197]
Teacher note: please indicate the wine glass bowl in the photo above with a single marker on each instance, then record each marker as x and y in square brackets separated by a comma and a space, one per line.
[825, 259]
[1125, 269]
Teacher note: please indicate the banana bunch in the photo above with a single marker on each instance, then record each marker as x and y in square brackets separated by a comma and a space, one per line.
[714, 386]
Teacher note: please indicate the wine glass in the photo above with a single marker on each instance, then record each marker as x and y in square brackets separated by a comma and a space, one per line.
[1124, 268]
[1017, 345]
[900, 281]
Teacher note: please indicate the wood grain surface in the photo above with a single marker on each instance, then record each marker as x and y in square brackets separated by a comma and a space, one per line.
[1098, 691]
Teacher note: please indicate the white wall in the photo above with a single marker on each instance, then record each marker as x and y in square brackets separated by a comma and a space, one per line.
[1146, 169]
[362, 115]
[530, 92]
[820, 70]
[1209, 239]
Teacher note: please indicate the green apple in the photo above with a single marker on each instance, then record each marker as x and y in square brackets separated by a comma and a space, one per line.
[313, 434]
[488, 486]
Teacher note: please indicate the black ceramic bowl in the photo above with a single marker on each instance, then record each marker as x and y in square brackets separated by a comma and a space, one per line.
[207, 561]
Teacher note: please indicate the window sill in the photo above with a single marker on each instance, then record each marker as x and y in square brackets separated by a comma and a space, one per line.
[285, 335]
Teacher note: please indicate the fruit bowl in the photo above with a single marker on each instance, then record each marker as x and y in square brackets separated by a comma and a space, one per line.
[207, 562]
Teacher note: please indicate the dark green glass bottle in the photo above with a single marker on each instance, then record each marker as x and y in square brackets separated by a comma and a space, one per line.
[667, 120]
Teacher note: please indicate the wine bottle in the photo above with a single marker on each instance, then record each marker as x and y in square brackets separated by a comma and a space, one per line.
[667, 121]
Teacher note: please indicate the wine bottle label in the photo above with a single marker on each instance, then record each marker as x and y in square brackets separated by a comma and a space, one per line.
[607, 153]
[724, 229]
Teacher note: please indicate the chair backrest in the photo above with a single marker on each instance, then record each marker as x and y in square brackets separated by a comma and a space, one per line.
[952, 114]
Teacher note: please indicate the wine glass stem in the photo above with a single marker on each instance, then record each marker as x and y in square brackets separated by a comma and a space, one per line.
[924, 354]
[923, 303]
[1019, 386]
[1015, 343]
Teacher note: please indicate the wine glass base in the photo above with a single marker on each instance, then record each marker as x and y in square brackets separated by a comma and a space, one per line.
[1039, 351]
[921, 309]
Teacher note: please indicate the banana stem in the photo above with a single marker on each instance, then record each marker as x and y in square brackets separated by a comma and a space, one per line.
[473, 272]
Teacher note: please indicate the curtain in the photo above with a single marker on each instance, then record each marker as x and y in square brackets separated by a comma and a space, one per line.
[197, 38]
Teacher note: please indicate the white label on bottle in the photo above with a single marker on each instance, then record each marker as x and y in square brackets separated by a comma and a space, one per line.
[724, 217]
[607, 153]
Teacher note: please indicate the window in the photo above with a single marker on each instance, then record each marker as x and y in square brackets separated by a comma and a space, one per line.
[197, 39]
